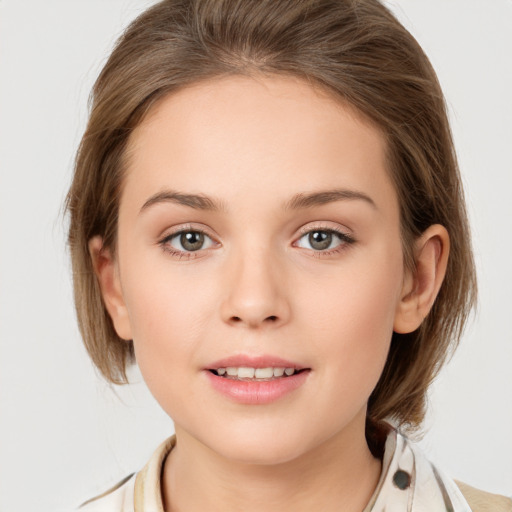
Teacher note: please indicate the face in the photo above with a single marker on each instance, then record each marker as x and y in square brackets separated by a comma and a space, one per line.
[258, 237]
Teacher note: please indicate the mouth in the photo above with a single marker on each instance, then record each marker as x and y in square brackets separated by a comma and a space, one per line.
[256, 380]
[250, 374]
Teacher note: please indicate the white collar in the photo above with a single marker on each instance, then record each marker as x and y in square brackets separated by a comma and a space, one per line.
[410, 483]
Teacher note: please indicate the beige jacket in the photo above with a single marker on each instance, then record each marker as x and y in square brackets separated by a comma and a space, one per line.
[408, 483]
[481, 501]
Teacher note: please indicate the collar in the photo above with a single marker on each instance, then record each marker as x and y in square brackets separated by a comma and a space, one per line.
[408, 482]
[148, 493]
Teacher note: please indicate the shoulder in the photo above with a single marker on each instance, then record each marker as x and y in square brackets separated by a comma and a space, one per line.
[430, 488]
[118, 498]
[481, 501]
[137, 492]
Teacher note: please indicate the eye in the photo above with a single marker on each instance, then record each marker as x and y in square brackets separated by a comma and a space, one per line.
[323, 239]
[187, 241]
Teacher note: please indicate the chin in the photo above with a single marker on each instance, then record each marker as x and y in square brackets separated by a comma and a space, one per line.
[260, 444]
[264, 453]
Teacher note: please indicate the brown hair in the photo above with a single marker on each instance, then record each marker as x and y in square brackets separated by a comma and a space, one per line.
[355, 49]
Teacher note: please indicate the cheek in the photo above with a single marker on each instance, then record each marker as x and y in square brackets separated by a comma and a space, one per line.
[353, 316]
[168, 311]
[362, 298]
[160, 295]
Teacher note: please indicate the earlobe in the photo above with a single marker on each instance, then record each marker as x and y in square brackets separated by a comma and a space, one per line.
[106, 271]
[422, 284]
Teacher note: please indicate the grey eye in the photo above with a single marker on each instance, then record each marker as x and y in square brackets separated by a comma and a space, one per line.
[322, 239]
[190, 241]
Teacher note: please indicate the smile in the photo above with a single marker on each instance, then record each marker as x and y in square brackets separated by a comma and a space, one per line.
[254, 374]
[256, 380]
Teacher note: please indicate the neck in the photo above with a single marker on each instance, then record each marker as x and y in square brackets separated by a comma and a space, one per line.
[338, 475]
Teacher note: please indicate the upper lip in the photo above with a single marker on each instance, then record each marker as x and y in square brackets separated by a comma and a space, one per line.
[254, 361]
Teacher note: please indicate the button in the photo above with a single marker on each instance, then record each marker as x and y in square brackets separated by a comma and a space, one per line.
[402, 479]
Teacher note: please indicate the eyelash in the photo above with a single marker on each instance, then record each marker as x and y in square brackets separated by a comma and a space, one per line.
[344, 238]
[165, 241]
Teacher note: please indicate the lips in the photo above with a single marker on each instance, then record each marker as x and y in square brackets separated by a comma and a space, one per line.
[256, 380]
[259, 361]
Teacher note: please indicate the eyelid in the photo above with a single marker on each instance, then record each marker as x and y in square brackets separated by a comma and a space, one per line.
[180, 228]
[325, 226]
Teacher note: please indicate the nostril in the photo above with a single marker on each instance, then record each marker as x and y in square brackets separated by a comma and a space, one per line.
[238, 319]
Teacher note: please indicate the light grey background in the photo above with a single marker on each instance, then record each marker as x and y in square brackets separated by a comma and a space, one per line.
[64, 435]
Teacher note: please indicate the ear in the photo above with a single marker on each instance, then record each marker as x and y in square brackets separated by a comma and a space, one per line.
[107, 273]
[421, 284]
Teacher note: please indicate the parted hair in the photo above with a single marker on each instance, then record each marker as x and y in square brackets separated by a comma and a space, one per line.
[361, 54]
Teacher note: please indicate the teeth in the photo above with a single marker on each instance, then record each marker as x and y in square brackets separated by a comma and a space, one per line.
[244, 372]
[264, 373]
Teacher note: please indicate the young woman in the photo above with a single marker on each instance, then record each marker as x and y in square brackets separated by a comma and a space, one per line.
[267, 215]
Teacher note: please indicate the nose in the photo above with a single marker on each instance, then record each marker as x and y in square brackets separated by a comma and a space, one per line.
[257, 294]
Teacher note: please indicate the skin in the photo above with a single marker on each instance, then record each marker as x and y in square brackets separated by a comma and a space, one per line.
[258, 286]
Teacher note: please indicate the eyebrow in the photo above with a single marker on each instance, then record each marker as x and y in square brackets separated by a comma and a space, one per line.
[297, 202]
[196, 201]
[303, 201]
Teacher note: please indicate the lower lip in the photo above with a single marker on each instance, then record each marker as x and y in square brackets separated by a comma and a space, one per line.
[257, 392]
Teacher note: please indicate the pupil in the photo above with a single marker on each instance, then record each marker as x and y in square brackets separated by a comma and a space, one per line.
[320, 240]
[192, 241]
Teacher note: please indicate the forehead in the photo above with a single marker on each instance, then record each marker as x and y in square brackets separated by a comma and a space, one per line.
[234, 135]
